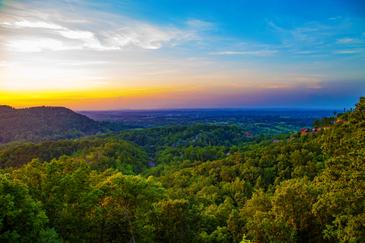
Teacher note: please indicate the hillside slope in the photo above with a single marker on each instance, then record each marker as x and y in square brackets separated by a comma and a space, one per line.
[41, 123]
[305, 187]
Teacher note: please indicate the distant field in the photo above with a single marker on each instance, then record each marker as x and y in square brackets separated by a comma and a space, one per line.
[152, 118]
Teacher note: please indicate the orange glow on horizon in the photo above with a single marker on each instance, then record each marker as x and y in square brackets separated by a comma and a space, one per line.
[117, 98]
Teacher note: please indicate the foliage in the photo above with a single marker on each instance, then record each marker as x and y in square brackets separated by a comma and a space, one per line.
[209, 185]
[100, 153]
[21, 217]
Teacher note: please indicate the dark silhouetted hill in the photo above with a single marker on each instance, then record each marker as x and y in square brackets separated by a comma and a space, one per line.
[42, 123]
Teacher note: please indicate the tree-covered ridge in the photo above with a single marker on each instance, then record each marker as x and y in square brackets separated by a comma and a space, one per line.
[306, 187]
[196, 135]
[195, 142]
[100, 153]
[155, 140]
[41, 123]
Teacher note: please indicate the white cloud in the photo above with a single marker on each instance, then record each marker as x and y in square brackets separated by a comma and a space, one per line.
[85, 63]
[73, 34]
[349, 51]
[87, 39]
[348, 41]
[5, 64]
[145, 36]
[98, 31]
[262, 53]
[37, 45]
[305, 52]
[31, 24]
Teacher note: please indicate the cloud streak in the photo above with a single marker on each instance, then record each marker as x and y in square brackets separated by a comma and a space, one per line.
[348, 41]
[32, 24]
[259, 53]
[318, 38]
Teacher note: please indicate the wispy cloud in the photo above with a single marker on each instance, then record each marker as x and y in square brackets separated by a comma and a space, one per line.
[260, 53]
[318, 38]
[85, 63]
[37, 45]
[52, 33]
[200, 24]
[32, 24]
[145, 36]
[350, 51]
[348, 41]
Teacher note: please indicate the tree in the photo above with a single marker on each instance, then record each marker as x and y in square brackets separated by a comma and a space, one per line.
[174, 221]
[21, 217]
[292, 203]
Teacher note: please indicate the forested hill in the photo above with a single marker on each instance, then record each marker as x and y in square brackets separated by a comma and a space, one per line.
[41, 123]
[304, 187]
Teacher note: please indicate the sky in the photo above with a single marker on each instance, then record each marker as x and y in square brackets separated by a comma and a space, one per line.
[152, 54]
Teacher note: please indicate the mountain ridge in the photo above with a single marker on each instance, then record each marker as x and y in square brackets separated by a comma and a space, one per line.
[44, 122]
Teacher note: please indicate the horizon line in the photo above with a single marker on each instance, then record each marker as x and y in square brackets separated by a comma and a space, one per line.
[232, 108]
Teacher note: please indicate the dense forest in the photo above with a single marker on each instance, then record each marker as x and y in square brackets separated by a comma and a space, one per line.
[189, 183]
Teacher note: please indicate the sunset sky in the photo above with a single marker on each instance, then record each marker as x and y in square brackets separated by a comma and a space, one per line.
[131, 54]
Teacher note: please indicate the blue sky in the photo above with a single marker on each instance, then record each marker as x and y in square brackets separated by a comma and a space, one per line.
[167, 54]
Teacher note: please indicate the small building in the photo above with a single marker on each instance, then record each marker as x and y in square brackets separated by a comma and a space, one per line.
[304, 131]
[316, 129]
